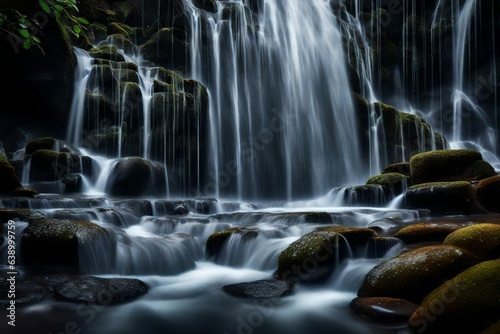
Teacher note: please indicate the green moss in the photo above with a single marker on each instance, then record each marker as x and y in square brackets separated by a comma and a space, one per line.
[44, 143]
[427, 232]
[8, 177]
[483, 240]
[443, 185]
[467, 303]
[120, 29]
[216, 240]
[395, 181]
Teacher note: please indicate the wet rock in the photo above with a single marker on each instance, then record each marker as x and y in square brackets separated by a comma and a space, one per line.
[467, 303]
[100, 291]
[47, 242]
[383, 309]
[412, 275]
[400, 167]
[488, 193]
[357, 237]
[49, 165]
[395, 181]
[444, 198]
[207, 5]
[428, 232]
[25, 192]
[24, 215]
[379, 246]
[216, 241]
[448, 165]
[262, 289]
[482, 240]
[73, 183]
[312, 257]
[363, 195]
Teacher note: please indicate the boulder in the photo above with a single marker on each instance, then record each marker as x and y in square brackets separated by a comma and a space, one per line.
[262, 289]
[444, 198]
[428, 231]
[395, 181]
[467, 303]
[413, 274]
[383, 309]
[482, 240]
[216, 241]
[488, 193]
[8, 178]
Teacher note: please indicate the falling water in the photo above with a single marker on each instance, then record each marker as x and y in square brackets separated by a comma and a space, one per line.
[281, 115]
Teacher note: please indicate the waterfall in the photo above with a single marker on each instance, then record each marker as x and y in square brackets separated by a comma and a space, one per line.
[282, 121]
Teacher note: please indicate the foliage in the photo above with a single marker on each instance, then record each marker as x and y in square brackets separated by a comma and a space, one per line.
[22, 29]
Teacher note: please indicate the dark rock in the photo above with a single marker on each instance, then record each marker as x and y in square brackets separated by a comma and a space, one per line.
[428, 232]
[25, 192]
[412, 275]
[467, 303]
[100, 291]
[400, 167]
[395, 181]
[8, 177]
[216, 241]
[488, 193]
[444, 198]
[383, 309]
[363, 195]
[24, 215]
[262, 289]
[73, 183]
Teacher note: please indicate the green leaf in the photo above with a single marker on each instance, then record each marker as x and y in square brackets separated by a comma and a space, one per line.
[36, 39]
[77, 29]
[58, 15]
[45, 7]
[82, 20]
[58, 7]
[1, 21]
[24, 33]
[26, 45]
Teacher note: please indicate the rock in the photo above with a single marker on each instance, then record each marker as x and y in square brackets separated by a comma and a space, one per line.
[262, 289]
[44, 143]
[444, 198]
[47, 242]
[383, 309]
[412, 275]
[363, 195]
[207, 5]
[357, 237]
[400, 167]
[24, 215]
[467, 303]
[135, 176]
[8, 178]
[428, 232]
[482, 240]
[447, 165]
[312, 257]
[216, 241]
[73, 183]
[25, 192]
[395, 181]
[493, 329]
[488, 193]
[167, 48]
[49, 165]
[100, 291]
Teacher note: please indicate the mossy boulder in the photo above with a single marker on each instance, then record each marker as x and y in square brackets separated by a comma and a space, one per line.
[312, 257]
[373, 195]
[216, 240]
[428, 232]
[25, 192]
[444, 198]
[135, 176]
[167, 48]
[399, 167]
[448, 165]
[49, 165]
[482, 239]
[8, 178]
[44, 143]
[24, 215]
[56, 242]
[488, 193]
[413, 274]
[395, 181]
[467, 303]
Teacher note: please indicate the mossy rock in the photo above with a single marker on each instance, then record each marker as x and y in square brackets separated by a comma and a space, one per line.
[119, 28]
[443, 165]
[25, 192]
[44, 143]
[488, 193]
[467, 303]
[25, 215]
[216, 240]
[48, 165]
[207, 5]
[413, 274]
[372, 195]
[479, 170]
[312, 257]
[8, 177]
[428, 232]
[482, 239]
[444, 198]
[357, 237]
[399, 167]
[47, 242]
[106, 51]
[395, 181]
